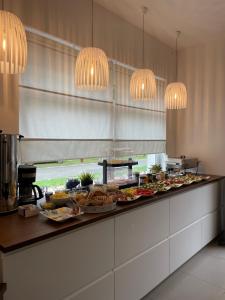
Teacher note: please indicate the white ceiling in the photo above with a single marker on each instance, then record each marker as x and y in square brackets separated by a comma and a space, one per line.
[198, 20]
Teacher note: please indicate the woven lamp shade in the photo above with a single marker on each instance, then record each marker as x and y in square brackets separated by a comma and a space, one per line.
[176, 96]
[92, 69]
[143, 85]
[13, 44]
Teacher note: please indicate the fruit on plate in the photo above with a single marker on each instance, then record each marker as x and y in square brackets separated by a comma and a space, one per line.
[157, 186]
[144, 192]
[129, 192]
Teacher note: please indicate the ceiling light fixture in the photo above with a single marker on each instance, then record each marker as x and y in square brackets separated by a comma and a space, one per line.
[176, 93]
[143, 83]
[91, 68]
[13, 43]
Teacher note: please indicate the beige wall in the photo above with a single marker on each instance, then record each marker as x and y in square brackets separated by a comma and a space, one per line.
[9, 104]
[70, 20]
[200, 130]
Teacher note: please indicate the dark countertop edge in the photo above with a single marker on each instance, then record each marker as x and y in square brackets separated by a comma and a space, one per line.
[119, 210]
[2, 288]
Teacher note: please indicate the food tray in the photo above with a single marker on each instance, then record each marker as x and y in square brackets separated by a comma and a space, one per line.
[163, 190]
[129, 200]
[176, 185]
[148, 196]
[198, 179]
[98, 209]
[188, 182]
[206, 177]
[60, 215]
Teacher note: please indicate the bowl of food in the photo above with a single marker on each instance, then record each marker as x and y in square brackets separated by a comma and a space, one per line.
[60, 198]
[96, 201]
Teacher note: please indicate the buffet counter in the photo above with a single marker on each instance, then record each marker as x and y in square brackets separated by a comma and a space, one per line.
[122, 254]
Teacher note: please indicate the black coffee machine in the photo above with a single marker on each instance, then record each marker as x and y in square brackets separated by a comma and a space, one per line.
[28, 193]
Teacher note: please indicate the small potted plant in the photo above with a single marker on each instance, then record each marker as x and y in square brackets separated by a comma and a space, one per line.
[156, 168]
[86, 179]
[72, 183]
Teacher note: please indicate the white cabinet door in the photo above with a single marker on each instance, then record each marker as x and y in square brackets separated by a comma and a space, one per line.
[190, 206]
[102, 289]
[139, 276]
[140, 230]
[210, 198]
[184, 245]
[58, 267]
[210, 227]
[185, 208]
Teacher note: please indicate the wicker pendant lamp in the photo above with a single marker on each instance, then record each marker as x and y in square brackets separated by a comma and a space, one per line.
[176, 93]
[91, 68]
[13, 43]
[142, 83]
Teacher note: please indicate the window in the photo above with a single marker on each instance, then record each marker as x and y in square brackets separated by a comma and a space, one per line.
[53, 175]
[60, 123]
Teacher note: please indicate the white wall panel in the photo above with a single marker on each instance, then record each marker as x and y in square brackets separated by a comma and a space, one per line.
[200, 128]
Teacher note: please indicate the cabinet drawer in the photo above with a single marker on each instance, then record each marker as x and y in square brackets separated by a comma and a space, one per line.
[62, 265]
[210, 227]
[100, 290]
[190, 206]
[140, 230]
[184, 245]
[139, 276]
[210, 198]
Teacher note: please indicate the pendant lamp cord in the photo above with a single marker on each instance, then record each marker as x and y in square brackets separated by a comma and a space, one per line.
[92, 23]
[178, 34]
[143, 40]
[144, 10]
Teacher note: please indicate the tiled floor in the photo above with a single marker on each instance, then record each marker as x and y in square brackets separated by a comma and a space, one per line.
[201, 278]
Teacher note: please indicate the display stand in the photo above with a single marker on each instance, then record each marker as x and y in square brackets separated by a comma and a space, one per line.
[116, 164]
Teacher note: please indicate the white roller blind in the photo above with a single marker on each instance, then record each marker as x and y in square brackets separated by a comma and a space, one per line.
[53, 116]
[140, 125]
[60, 122]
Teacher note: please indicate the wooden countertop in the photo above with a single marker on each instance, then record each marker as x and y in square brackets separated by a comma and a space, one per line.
[2, 290]
[17, 232]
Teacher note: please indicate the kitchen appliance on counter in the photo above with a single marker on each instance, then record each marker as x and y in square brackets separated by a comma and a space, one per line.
[29, 193]
[182, 164]
[8, 172]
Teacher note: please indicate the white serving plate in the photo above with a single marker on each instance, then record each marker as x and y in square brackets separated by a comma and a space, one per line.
[166, 188]
[129, 200]
[98, 209]
[188, 182]
[60, 214]
[177, 185]
[206, 177]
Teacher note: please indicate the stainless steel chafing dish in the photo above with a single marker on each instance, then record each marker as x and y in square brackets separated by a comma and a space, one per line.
[182, 163]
